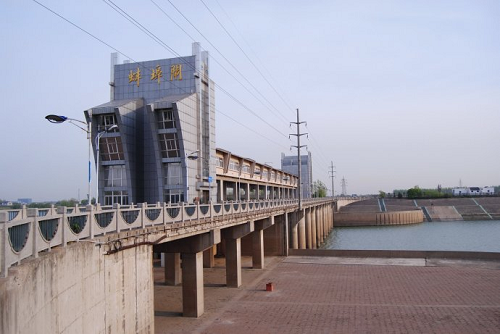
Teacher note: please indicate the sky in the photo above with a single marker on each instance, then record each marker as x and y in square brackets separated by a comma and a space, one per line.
[395, 93]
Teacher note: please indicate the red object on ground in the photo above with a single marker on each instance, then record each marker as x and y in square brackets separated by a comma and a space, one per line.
[269, 286]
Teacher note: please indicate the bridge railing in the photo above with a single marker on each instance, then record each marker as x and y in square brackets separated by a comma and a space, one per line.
[27, 232]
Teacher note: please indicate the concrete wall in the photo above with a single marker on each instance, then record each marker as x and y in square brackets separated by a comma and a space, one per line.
[345, 201]
[443, 213]
[78, 289]
[398, 254]
[378, 218]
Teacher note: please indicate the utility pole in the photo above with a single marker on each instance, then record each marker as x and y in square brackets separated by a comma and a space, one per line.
[332, 172]
[298, 146]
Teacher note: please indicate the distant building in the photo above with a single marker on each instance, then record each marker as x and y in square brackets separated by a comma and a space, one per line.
[473, 191]
[25, 200]
[488, 191]
[290, 165]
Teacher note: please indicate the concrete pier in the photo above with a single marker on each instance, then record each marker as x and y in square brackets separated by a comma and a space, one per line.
[173, 274]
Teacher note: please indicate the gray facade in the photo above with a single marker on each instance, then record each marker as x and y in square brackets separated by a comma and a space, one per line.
[290, 165]
[165, 140]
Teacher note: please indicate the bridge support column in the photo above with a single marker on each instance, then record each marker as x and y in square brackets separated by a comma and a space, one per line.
[314, 230]
[193, 304]
[233, 262]
[192, 249]
[286, 234]
[308, 229]
[208, 257]
[173, 274]
[301, 228]
[294, 229]
[233, 236]
[258, 249]
[258, 242]
[320, 226]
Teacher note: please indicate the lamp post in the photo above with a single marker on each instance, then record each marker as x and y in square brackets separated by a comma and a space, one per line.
[57, 119]
[97, 139]
[189, 156]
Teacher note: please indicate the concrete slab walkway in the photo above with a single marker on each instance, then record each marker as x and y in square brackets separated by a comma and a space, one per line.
[342, 295]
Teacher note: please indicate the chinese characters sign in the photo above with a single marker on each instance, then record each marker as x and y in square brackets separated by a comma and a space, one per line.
[135, 76]
[157, 74]
[176, 72]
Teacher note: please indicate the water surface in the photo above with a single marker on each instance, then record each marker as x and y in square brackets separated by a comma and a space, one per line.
[480, 236]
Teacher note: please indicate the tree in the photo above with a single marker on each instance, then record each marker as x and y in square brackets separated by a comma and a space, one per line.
[319, 189]
[414, 192]
[381, 194]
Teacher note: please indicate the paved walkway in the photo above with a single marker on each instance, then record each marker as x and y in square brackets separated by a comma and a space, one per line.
[341, 295]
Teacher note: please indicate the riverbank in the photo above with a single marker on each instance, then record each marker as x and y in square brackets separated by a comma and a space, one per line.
[342, 295]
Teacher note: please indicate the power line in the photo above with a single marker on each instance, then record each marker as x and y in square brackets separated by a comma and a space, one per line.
[250, 129]
[222, 55]
[243, 51]
[213, 57]
[254, 53]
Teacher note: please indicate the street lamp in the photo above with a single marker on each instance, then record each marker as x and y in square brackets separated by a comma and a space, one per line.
[97, 139]
[57, 119]
[191, 156]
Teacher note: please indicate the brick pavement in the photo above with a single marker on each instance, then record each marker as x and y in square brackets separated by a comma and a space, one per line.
[314, 295]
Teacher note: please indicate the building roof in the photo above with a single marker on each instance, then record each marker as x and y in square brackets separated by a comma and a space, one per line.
[108, 107]
[166, 102]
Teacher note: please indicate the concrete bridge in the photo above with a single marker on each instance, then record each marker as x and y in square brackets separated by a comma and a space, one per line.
[70, 270]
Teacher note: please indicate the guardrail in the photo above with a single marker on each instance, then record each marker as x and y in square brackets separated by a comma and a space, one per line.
[27, 232]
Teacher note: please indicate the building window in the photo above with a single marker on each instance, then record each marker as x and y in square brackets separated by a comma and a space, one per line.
[115, 176]
[116, 197]
[106, 121]
[264, 175]
[166, 119]
[220, 162]
[246, 169]
[234, 165]
[173, 195]
[168, 145]
[172, 174]
[111, 148]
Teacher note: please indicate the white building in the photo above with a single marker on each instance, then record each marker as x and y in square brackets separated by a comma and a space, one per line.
[473, 191]
[488, 191]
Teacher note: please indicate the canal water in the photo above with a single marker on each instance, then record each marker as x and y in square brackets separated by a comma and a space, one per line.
[479, 236]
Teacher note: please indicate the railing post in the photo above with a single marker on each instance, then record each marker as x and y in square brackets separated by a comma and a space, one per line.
[4, 218]
[64, 225]
[90, 212]
[143, 207]
[23, 212]
[116, 206]
[197, 210]
[34, 213]
[183, 211]
[164, 213]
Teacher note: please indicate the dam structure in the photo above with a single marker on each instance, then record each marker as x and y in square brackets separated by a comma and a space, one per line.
[163, 188]
[89, 269]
